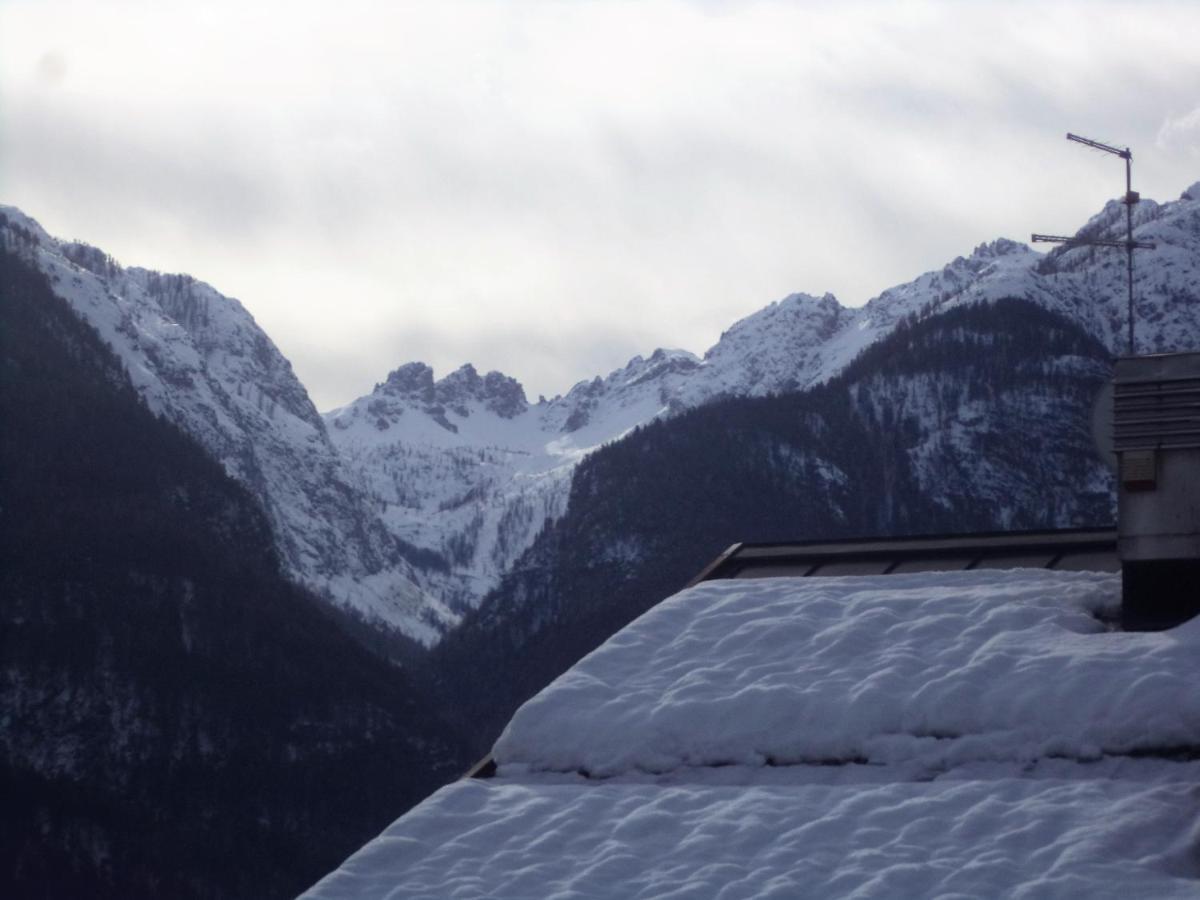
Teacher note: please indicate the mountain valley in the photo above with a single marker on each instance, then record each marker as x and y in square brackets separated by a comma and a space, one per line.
[409, 504]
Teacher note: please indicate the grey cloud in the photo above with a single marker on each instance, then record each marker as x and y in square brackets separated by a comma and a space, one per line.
[1180, 132]
[550, 189]
[108, 165]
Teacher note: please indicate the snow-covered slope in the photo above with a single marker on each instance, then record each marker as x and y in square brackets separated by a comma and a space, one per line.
[1090, 284]
[466, 467]
[199, 359]
[965, 734]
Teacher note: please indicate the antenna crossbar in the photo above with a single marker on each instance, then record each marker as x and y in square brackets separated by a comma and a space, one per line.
[1096, 145]
[1091, 242]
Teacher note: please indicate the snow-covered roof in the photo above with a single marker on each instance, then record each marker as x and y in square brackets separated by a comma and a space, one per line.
[970, 734]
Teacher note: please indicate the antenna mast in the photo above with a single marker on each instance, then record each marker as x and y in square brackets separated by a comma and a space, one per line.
[1131, 197]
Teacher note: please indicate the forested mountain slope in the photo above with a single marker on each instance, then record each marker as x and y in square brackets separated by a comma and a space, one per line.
[179, 720]
[198, 358]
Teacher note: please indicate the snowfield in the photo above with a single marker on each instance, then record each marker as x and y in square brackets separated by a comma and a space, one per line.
[947, 734]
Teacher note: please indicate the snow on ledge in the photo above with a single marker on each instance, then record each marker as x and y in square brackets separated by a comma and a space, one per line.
[929, 671]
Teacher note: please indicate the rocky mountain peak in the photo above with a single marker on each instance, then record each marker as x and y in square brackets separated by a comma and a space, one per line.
[981, 259]
[504, 395]
[997, 248]
[414, 382]
[797, 319]
[1110, 221]
[1109, 224]
[804, 304]
[498, 392]
[807, 305]
[12, 219]
[659, 364]
[415, 379]
[462, 382]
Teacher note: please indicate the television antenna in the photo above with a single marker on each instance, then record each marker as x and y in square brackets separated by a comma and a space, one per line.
[1131, 198]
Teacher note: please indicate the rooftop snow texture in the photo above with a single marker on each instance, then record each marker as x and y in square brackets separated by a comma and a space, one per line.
[930, 670]
[974, 710]
[948, 839]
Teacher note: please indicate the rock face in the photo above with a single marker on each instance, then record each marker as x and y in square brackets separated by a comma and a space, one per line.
[197, 358]
[412, 386]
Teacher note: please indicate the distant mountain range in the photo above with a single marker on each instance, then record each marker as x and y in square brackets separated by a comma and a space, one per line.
[410, 504]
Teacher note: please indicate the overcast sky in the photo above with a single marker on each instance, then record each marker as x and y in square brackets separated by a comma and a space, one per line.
[547, 188]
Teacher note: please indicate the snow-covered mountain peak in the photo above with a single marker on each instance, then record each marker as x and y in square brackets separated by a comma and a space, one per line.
[788, 318]
[498, 392]
[199, 359]
[999, 247]
[410, 395]
[1150, 219]
[640, 369]
[662, 355]
[1109, 224]
[414, 383]
[999, 268]
[13, 218]
[984, 260]
[650, 384]
[413, 379]
[796, 304]
[770, 350]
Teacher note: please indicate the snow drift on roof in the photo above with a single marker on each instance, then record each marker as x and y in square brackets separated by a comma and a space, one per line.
[935, 669]
[1016, 838]
[965, 734]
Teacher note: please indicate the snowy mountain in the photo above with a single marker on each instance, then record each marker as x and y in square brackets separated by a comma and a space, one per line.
[197, 358]
[409, 504]
[468, 469]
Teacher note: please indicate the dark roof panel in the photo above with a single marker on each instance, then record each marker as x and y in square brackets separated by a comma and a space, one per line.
[1076, 550]
[939, 564]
